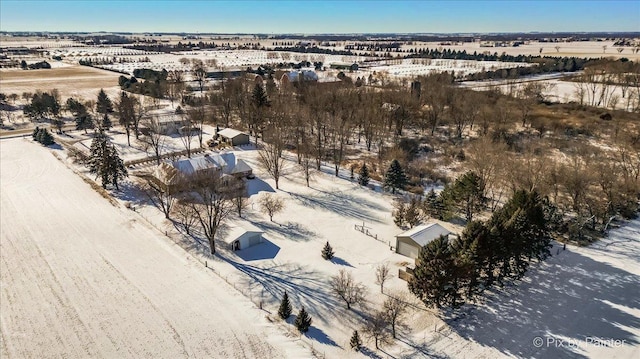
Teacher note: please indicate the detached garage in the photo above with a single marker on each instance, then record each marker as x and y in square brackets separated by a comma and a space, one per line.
[410, 242]
[233, 137]
[242, 237]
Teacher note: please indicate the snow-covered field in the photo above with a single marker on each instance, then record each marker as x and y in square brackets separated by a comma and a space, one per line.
[81, 278]
[409, 68]
[559, 90]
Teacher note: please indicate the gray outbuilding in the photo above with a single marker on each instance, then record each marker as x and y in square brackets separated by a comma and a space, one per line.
[410, 242]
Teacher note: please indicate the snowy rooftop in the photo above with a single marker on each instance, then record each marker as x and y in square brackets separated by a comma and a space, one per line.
[226, 161]
[425, 233]
[195, 164]
[234, 232]
[230, 133]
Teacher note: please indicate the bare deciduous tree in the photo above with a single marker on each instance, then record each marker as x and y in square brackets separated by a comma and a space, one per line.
[344, 286]
[155, 138]
[185, 215]
[271, 204]
[270, 157]
[395, 308]
[212, 205]
[186, 134]
[175, 80]
[382, 274]
[198, 72]
[159, 195]
[376, 328]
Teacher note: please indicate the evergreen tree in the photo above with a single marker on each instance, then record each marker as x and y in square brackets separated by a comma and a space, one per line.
[435, 280]
[106, 122]
[413, 213]
[467, 194]
[103, 104]
[363, 176]
[116, 167]
[285, 307]
[433, 206]
[259, 96]
[84, 122]
[45, 137]
[105, 162]
[303, 321]
[395, 177]
[105, 107]
[398, 213]
[35, 133]
[520, 227]
[355, 342]
[97, 157]
[327, 251]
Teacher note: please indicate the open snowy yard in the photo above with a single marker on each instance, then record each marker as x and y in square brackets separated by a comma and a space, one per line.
[81, 278]
[582, 302]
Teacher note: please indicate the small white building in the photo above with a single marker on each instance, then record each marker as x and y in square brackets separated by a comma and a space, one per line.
[410, 242]
[243, 236]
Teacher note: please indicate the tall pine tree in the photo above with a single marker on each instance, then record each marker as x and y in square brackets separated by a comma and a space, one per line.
[466, 194]
[435, 280]
[303, 321]
[363, 176]
[116, 167]
[395, 177]
[103, 104]
[285, 307]
[104, 107]
[105, 162]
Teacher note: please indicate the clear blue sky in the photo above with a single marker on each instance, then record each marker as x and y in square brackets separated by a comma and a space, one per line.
[319, 16]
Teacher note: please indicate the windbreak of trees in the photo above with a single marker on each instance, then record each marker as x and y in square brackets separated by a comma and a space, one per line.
[43, 105]
[449, 273]
[35, 66]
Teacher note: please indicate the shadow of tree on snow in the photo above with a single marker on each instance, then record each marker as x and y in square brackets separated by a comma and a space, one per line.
[570, 296]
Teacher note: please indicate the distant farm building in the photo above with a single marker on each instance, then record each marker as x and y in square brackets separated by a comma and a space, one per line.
[243, 237]
[298, 76]
[224, 74]
[233, 137]
[255, 78]
[410, 242]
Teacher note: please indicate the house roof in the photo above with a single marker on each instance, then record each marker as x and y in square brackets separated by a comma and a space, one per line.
[240, 167]
[230, 133]
[237, 230]
[425, 233]
[195, 164]
[166, 173]
[226, 161]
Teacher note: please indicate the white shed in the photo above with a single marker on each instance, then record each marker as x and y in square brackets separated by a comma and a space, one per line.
[410, 242]
[242, 237]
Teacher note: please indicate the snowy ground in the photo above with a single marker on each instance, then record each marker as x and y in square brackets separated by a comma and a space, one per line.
[578, 295]
[557, 90]
[576, 301]
[81, 278]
